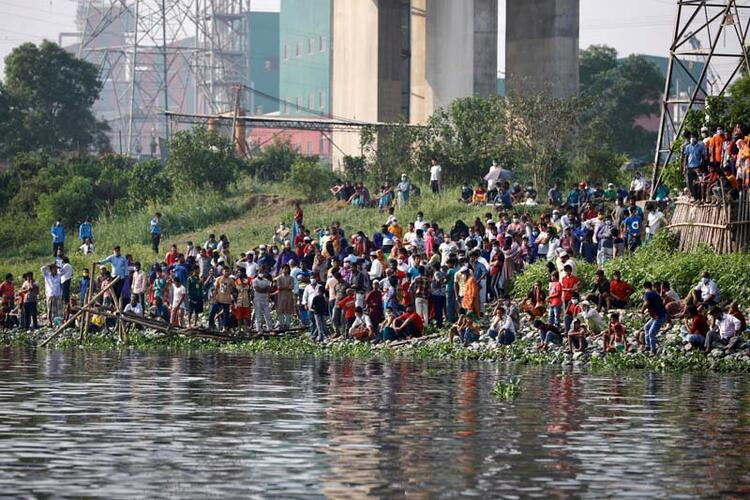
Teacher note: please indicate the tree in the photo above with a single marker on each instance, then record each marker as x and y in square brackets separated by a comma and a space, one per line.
[73, 201]
[391, 151]
[148, 182]
[465, 137]
[273, 162]
[48, 96]
[311, 178]
[200, 158]
[542, 129]
[617, 92]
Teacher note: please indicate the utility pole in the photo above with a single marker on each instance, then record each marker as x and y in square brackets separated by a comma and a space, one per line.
[709, 20]
[166, 68]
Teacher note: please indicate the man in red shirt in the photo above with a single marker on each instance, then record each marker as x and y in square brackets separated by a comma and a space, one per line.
[7, 293]
[620, 291]
[409, 324]
[696, 327]
[570, 283]
[171, 256]
[348, 305]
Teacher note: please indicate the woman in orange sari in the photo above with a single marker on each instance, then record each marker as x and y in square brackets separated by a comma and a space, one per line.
[470, 300]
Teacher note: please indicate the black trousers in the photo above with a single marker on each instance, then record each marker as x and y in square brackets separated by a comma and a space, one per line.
[155, 240]
[55, 246]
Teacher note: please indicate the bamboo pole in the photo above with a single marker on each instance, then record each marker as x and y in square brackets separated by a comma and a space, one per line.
[73, 318]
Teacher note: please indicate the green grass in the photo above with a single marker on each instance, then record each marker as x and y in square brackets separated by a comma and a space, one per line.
[248, 215]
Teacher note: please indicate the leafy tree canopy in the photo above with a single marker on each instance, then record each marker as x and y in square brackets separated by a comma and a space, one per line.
[46, 100]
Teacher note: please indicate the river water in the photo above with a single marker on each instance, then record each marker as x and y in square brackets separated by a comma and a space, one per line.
[126, 424]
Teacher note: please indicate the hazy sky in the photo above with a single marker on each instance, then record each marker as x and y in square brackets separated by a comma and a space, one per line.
[631, 26]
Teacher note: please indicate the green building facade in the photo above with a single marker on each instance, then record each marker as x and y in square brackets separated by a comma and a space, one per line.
[305, 57]
[263, 54]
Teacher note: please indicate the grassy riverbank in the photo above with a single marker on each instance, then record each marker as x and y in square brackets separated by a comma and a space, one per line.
[672, 356]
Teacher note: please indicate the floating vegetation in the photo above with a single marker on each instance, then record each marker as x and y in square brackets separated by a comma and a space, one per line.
[507, 390]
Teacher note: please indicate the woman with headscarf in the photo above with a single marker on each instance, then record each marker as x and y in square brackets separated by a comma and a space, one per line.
[460, 231]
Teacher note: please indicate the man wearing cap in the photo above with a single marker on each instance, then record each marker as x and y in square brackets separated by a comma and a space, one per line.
[53, 292]
[610, 194]
[262, 287]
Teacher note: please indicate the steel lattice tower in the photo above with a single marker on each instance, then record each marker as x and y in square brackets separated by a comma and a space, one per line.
[709, 49]
[157, 55]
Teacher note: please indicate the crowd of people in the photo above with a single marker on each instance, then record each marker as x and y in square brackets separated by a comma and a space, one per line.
[716, 166]
[405, 278]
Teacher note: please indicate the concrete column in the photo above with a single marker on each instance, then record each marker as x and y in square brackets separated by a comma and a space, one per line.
[541, 45]
[485, 48]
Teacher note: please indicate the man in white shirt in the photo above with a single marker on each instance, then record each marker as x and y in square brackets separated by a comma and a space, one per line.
[446, 248]
[725, 329]
[638, 185]
[706, 292]
[361, 328]
[656, 220]
[436, 172]
[66, 277]
[138, 284]
[420, 222]
[134, 306]
[52, 291]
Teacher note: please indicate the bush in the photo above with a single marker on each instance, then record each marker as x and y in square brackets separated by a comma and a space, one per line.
[199, 158]
[311, 178]
[659, 261]
[148, 182]
[273, 162]
[71, 203]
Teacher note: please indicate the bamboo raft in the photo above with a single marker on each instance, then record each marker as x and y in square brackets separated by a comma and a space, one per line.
[722, 226]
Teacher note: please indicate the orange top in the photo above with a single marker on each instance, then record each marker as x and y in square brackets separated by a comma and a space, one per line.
[716, 147]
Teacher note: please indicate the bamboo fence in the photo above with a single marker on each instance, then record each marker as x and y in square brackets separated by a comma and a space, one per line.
[722, 226]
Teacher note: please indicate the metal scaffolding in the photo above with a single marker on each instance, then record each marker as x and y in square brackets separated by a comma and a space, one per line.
[713, 34]
[162, 55]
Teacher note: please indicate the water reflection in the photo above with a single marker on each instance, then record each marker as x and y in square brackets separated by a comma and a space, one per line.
[162, 424]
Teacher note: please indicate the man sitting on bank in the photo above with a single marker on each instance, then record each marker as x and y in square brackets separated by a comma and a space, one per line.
[705, 293]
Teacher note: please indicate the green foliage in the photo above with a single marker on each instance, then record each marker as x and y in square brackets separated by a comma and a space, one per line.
[200, 158]
[465, 137]
[659, 260]
[507, 390]
[617, 93]
[46, 101]
[71, 202]
[391, 151]
[149, 182]
[272, 162]
[542, 130]
[355, 168]
[311, 178]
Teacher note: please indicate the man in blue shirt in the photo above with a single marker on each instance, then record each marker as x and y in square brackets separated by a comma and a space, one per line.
[694, 154]
[155, 230]
[119, 269]
[653, 304]
[633, 226]
[85, 231]
[58, 237]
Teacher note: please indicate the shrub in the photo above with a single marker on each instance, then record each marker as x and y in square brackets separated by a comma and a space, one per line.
[311, 178]
[71, 203]
[199, 158]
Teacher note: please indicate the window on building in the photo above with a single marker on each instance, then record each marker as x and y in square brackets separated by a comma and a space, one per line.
[267, 65]
[322, 145]
[310, 102]
[322, 41]
[259, 109]
[310, 46]
[286, 52]
[322, 100]
[297, 103]
[299, 48]
[309, 148]
[298, 147]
